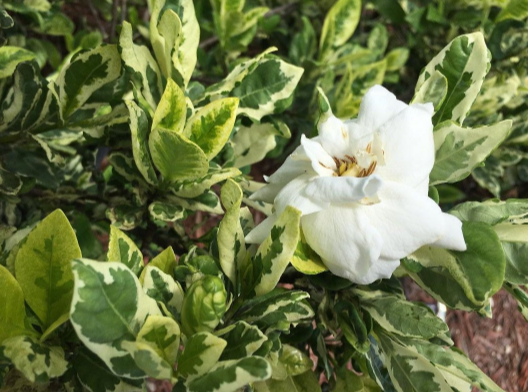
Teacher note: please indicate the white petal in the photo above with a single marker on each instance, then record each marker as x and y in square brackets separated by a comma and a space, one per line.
[378, 106]
[289, 170]
[294, 194]
[409, 146]
[405, 219]
[453, 237]
[333, 136]
[322, 163]
[262, 231]
[380, 269]
[343, 189]
[345, 240]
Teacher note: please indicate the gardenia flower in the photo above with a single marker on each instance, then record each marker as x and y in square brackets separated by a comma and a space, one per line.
[362, 187]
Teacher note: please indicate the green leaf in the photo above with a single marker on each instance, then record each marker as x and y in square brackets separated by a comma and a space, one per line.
[211, 125]
[305, 259]
[348, 381]
[197, 186]
[165, 261]
[202, 351]
[122, 249]
[43, 267]
[295, 361]
[459, 150]
[139, 129]
[144, 70]
[400, 316]
[230, 238]
[10, 57]
[479, 271]
[433, 89]
[171, 112]
[165, 35]
[231, 375]
[339, 25]
[251, 144]
[37, 362]
[108, 310]
[352, 326]
[242, 340]
[274, 254]
[514, 239]
[162, 336]
[166, 212]
[514, 9]
[306, 382]
[12, 311]
[163, 288]
[86, 73]
[176, 157]
[465, 61]
[397, 58]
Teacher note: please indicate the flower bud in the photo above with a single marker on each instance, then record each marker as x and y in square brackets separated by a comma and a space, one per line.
[204, 305]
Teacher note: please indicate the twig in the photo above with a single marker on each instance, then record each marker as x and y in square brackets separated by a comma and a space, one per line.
[281, 10]
[208, 42]
[97, 20]
[114, 19]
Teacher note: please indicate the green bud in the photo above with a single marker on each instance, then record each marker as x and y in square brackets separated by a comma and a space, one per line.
[204, 305]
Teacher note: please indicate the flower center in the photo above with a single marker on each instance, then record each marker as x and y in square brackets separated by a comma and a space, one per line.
[362, 164]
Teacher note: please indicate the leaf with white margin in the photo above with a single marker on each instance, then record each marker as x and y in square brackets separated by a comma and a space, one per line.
[251, 144]
[37, 362]
[275, 253]
[171, 112]
[231, 375]
[212, 124]
[165, 35]
[122, 249]
[86, 364]
[410, 371]
[230, 237]
[166, 212]
[456, 367]
[339, 25]
[306, 260]
[144, 70]
[465, 61]
[165, 261]
[202, 351]
[163, 288]
[43, 268]
[176, 157]
[86, 73]
[460, 150]
[125, 166]
[139, 129]
[400, 316]
[514, 240]
[157, 346]
[12, 310]
[196, 187]
[479, 271]
[10, 57]
[520, 296]
[242, 339]
[433, 90]
[514, 9]
[108, 309]
[207, 201]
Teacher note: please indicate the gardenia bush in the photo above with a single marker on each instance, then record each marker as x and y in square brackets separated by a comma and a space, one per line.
[131, 258]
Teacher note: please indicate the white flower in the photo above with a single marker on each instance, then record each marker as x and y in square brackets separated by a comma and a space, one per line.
[362, 187]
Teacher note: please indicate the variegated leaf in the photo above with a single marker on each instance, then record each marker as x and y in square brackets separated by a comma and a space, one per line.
[433, 90]
[86, 73]
[142, 66]
[230, 238]
[172, 109]
[139, 128]
[108, 309]
[12, 310]
[43, 268]
[163, 288]
[196, 187]
[165, 32]
[202, 351]
[231, 375]
[514, 9]
[251, 144]
[176, 157]
[10, 57]
[306, 382]
[10, 183]
[207, 201]
[211, 125]
[305, 259]
[166, 212]
[242, 340]
[122, 249]
[125, 167]
[339, 25]
[465, 61]
[165, 261]
[36, 361]
[274, 254]
[459, 150]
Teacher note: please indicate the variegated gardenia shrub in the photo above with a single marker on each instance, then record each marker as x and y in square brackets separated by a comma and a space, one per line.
[104, 286]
